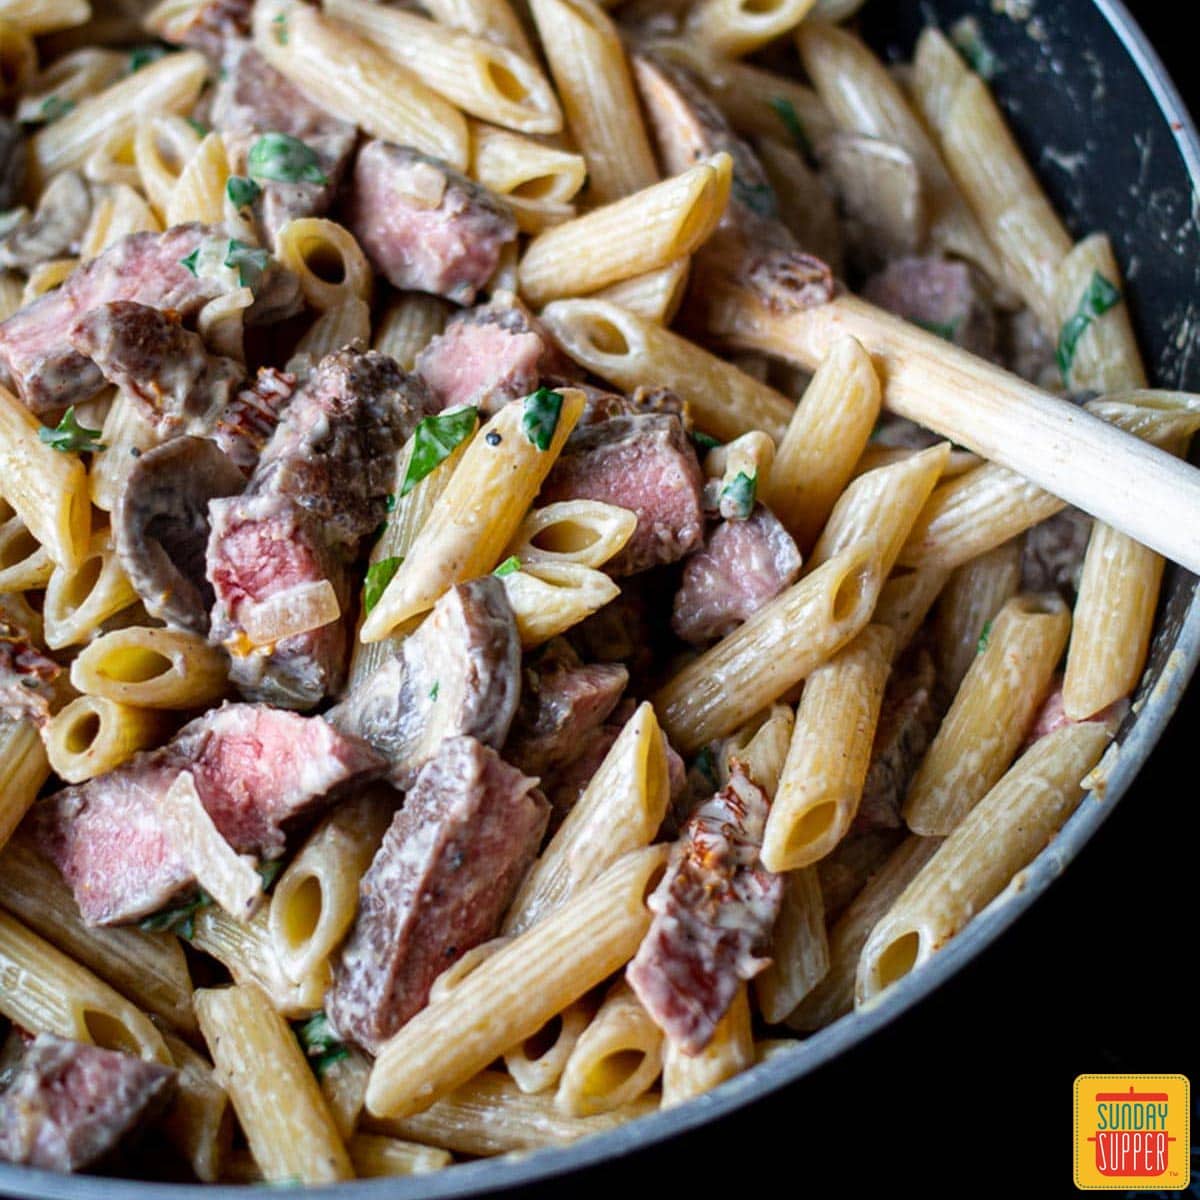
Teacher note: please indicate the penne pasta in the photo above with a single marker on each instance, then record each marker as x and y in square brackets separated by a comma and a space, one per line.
[655, 296]
[314, 248]
[739, 27]
[374, 1156]
[409, 323]
[800, 952]
[24, 767]
[494, 20]
[536, 1063]
[586, 533]
[199, 1123]
[730, 1052]
[93, 734]
[80, 599]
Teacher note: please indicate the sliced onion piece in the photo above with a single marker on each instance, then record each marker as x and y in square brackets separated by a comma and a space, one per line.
[296, 610]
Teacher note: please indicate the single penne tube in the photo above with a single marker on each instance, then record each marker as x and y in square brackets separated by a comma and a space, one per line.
[752, 455]
[827, 433]
[170, 85]
[279, 1106]
[347, 323]
[126, 434]
[46, 488]
[69, 79]
[1002, 834]
[409, 323]
[24, 562]
[536, 1063]
[152, 668]
[784, 642]
[799, 948]
[24, 767]
[591, 72]
[149, 968]
[616, 1059]
[761, 746]
[627, 349]
[730, 1052]
[46, 276]
[375, 1156]
[47, 992]
[494, 20]
[458, 971]
[315, 900]
[585, 532]
[833, 996]
[538, 181]
[199, 193]
[655, 296]
[738, 27]
[1127, 483]
[641, 232]
[80, 599]
[490, 1115]
[92, 735]
[619, 812]
[822, 780]
[513, 993]
[199, 1123]
[113, 161]
[864, 99]
[476, 75]
[11, 287]
[344, 1086]
[974, 594]
[355, 80]
[163, 144]
[44, 16]
[305, 241]
[905, 601]
[117, 213]
[992, 712]
[484, 501]
[549, 598]
[877, 454]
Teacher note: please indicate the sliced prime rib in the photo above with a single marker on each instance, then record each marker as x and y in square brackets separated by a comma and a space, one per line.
[148, 355]
[253, 99]
[246, 424]
[643, 462]
[70, 1105]
[320, 486]
[713, 915]
[256, 769]
[940, 294]
[438, 886]
[425, 226]
[148, 268]
[458, 674]
[562, 701]
[490, 355]
[742, 566]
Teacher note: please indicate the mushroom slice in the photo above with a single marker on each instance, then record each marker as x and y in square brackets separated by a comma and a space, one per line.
[55, 229]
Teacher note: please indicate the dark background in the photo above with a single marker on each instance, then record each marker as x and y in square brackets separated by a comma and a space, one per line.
[970, 1094]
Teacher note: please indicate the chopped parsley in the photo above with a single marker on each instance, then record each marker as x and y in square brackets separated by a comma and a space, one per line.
[191, 261]
[785, 110]
[180, 918]
[200, 128]
[706, 765]
[943, 329]
[433, 691]
[540, 419]
[319, 1043]
[281, 29]
[738, 496]
[68, 435]
[704, 442]
[379, 575]
[54, 107]
[1098, 297]
[249, 261]
[143, 56]
[981, 57]
[509, 566]
[434, 440]
[757, 197]
[281, 157]
[981, 645]
[242, 192]
[270, 871]
[389, 502]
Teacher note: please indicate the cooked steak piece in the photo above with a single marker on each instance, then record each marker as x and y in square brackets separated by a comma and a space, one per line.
[438, 886]
[939, 294]
[253, 101]
[149, 356]
[161, 530]
[713, 913]
[458, 674]
[644, 463]
[249, 420]
[743, 565]
[256, 769]
[425, 226]
[562, 701]
[70, 1105]
[490, 355]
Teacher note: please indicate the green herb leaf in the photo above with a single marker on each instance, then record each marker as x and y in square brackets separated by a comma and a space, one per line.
[1098, 297]
[198, 126]
[281, 157]
[706, 765]
[540, 420]
[510, 565]
[704, 442]
[242, 192]
[785, 110]
[433, 691]
[143, 56]
[757, 197]
[981, 645]
[390, 502]
[319, 1042]
[738, 496]
[250, 261]
[270, 871]
[69, 435]
[379, 575]
[981, 57]
[54, 107]
[191, 261]
[944, 329]
[434, 440]
[281, 29]
[180, 918]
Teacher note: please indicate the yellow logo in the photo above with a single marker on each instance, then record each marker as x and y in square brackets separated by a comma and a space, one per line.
[1132, 1132]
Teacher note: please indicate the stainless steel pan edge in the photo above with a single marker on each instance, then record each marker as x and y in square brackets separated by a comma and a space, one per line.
[1177, 649]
